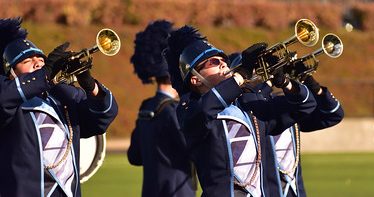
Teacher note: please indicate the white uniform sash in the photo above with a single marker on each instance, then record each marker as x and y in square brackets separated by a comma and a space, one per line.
[54, 138]
[285, 153]
[243, 147]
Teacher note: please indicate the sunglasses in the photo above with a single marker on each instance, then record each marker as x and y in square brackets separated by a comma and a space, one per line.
[211, 62]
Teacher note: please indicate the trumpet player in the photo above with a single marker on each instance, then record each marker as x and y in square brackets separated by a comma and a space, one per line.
[157, 143]
[41, 123]
[283, 172]
[286, 146]
[222, 133]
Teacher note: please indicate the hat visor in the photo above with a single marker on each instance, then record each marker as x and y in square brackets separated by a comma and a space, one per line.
[26, 54]
[203, 56]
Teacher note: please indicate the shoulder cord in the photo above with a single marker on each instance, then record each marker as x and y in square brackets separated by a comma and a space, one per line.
[67, 150]
[163, 104]
[149, 114]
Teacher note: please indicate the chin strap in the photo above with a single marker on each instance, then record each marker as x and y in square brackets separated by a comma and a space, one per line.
[202, 79]
[13, 73]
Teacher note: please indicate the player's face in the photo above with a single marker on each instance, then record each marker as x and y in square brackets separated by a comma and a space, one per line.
[213, 69]
[29, 65]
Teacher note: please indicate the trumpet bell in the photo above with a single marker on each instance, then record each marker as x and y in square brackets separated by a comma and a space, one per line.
[332, 45]
[299, 68]
[108, 42]
[306, 32]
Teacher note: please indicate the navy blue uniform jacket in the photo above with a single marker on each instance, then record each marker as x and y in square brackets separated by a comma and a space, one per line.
[205, 134]
[21, 167]
[158, 145]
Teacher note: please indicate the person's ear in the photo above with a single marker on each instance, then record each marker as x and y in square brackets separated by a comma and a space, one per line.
[195, 81]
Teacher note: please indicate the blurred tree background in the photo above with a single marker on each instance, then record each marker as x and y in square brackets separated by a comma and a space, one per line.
[230, 25]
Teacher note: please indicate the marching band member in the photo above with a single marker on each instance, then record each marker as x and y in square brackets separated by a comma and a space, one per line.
[284, 175]
[157, 143]
[41, 124]
[287, 178]
[223, 136]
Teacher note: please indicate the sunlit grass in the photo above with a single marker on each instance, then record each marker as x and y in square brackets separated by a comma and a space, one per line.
[115, 178]
[339, 174]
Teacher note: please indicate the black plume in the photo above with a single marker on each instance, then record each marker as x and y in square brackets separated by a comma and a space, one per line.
[10, 30]
[177, 42]
[148, 60]
[181, 38]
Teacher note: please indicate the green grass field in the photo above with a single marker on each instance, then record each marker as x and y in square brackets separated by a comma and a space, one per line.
[327, 175]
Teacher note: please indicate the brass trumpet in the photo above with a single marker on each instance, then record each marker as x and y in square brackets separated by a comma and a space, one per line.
[332, 46]
[306, 32]
[107, 42]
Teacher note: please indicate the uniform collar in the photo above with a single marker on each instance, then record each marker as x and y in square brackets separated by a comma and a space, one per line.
[164, 93]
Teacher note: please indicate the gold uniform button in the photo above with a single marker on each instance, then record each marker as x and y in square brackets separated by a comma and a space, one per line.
[28, 81]
[33, 78]
[23, 83]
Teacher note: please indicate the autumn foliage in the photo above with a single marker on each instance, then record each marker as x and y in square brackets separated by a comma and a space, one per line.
[268, 14]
